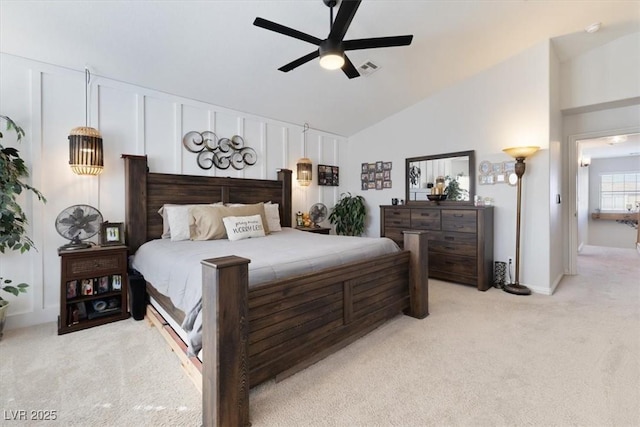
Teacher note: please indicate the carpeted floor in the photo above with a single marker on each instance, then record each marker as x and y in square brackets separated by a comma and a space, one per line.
[479, 359]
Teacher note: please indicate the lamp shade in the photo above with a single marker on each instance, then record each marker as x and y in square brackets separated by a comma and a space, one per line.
[85, 151]
[304, 174]
[521, 152]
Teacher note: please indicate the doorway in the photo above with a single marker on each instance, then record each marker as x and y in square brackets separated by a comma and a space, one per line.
[606, 148]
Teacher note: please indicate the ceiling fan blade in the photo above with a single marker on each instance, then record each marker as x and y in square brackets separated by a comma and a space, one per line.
[377, 42]
[349, 69]
[272, 26]
[298, 62]
[341, 24]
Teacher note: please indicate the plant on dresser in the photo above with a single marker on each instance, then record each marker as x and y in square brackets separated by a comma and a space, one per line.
[93, 287]
[460, 239]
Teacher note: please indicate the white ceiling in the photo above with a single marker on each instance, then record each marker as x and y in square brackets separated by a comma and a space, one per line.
[611, 146]
[210, 51]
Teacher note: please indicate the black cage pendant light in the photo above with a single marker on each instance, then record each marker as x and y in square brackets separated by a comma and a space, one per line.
[85, 143]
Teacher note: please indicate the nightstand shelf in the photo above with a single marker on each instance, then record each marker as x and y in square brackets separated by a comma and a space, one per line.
[93, 287]
[318, 230]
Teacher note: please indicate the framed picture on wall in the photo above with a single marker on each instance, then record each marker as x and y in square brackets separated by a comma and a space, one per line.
[329, 175]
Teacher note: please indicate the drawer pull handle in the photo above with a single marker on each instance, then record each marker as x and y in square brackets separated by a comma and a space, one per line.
[450, 248]
[449, 238]
[458, 215]
[425, 214]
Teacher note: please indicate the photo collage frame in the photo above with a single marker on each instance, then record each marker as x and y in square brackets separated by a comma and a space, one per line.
[376, 176]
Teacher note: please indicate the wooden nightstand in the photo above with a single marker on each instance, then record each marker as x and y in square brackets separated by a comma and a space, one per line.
[93, 287]
[319, 230]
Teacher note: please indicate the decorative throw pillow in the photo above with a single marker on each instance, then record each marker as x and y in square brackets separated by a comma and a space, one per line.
[243, 227]
[208, 224]
[273, 216]
[166, 229]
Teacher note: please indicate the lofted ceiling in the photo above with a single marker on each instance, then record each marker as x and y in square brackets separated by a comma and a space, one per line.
[210, 51]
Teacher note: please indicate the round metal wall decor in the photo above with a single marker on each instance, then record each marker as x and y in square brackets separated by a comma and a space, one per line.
[221, 153]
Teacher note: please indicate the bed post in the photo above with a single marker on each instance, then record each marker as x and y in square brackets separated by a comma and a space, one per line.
[286, 217]
[135, 194]
[416, 242]
[225, 376]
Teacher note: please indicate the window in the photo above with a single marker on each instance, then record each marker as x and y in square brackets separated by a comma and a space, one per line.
[619, 191]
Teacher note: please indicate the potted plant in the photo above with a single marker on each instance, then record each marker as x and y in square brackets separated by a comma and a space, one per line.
[13, 221]
[348, 215]
[453, 190]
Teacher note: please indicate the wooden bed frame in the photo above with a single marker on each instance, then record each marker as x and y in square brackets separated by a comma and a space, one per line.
[252, 335]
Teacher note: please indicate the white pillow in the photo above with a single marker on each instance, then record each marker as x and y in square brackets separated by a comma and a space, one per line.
[243, 227]
[178, 218]
[273, 216]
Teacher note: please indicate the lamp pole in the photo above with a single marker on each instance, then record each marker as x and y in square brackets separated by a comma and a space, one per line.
[520, 154]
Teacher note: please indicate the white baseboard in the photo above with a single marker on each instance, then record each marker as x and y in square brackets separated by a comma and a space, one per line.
[22, 320]
[541, 290]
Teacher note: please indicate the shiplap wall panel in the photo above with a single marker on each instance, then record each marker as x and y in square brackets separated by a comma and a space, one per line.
[48, 101]
[193, 119]
[252, 135]
[117, 119]
[159, 125]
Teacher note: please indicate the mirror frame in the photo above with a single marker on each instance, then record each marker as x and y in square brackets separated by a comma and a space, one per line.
[472, 176]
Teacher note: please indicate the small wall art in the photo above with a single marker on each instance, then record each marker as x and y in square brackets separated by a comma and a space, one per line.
[375, 176]
[328, 175]
[495, 173]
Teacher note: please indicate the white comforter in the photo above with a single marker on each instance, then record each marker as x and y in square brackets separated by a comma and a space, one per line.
[174, 268]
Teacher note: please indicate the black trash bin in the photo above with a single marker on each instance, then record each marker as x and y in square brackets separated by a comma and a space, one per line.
[137, 295]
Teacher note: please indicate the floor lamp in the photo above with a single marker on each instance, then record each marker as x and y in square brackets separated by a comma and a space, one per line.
[519, 153]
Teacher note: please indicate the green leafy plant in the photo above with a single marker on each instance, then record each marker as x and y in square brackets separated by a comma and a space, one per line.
[348, 215]
[453, 190]
[13, 221]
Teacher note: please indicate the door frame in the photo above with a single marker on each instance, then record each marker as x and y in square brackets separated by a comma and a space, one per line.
[571, 166]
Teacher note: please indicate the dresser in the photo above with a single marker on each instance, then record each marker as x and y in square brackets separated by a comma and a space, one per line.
[460, 239]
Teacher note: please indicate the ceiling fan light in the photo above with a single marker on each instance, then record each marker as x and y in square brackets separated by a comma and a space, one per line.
[332, 61]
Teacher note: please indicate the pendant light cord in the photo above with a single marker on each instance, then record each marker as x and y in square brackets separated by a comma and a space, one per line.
[305, 128]
[87, 79]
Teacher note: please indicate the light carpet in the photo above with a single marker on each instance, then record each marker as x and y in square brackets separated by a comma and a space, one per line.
[479, 359]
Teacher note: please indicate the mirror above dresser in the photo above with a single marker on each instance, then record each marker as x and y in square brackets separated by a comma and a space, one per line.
[424, 176]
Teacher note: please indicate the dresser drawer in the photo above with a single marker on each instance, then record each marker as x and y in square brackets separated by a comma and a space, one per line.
[454, 264]
[425, 219]
[398, 218]
[459, 220]
[453, 243]
[96, 266]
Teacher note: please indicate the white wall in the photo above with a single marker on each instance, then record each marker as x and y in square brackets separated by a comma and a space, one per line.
[583, 207]
[48, 102]
[600, 96]
[608, 73]
[506, 105]
[604, 232]
[556, 196]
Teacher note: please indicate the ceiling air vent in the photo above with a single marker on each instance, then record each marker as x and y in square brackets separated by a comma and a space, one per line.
[368, 68]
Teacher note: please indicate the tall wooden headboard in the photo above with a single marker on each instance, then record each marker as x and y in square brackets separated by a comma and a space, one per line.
[146, 192]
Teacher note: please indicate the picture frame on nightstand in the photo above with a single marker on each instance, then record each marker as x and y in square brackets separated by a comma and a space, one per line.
[111, 233]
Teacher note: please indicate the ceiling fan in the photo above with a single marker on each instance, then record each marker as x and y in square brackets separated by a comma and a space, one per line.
[332, 49]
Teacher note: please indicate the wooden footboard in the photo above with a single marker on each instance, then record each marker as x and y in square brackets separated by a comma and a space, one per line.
[253, 335]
